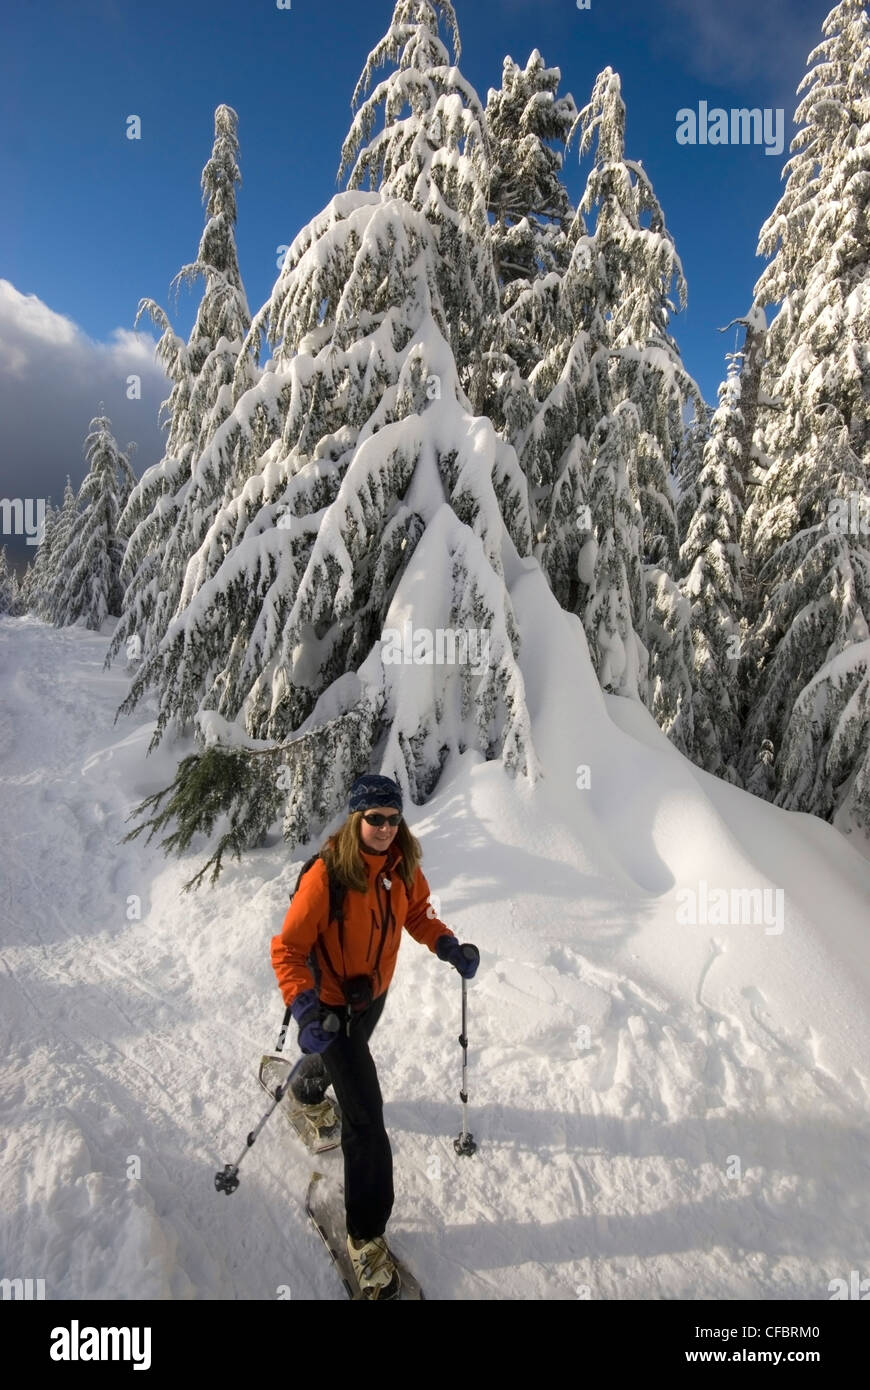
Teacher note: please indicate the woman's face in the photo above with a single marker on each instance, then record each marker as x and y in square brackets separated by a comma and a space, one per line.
[373, 838]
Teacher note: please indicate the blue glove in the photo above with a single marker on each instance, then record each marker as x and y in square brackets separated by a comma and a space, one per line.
[465, 958]
[313, 1037]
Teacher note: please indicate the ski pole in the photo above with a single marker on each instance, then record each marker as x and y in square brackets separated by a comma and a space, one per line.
[464, 1143]
[228, 1180]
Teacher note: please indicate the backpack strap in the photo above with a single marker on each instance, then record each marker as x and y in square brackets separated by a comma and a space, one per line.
[336, 914]
[304, 870]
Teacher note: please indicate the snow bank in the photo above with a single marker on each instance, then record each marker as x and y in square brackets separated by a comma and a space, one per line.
[663, 1110]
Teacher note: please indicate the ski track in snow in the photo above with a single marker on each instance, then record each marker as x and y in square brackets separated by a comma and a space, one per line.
[603, 1162]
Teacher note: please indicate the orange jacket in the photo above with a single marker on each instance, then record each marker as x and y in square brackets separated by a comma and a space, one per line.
[373, 923]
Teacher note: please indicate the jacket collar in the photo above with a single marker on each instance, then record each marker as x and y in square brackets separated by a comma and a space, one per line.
[377, 863]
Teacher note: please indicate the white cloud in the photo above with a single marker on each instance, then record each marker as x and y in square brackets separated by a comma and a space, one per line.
[52, 380]
[34, 319]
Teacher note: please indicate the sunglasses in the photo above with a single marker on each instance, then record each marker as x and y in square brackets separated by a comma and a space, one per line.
[379, 821]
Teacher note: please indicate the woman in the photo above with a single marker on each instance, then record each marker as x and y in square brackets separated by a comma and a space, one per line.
[335, 976]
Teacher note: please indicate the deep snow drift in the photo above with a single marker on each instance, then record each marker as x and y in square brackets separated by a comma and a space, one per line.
[664, 1108]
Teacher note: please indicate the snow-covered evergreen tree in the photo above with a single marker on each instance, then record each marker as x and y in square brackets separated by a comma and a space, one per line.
[825, 757]
[639, 265]
[713, 564]
[528, 200]
[172, 505]
[610, 562]
[527, 197]
[802, 532]
[23, 588]
[761, 781]
[62, 552]
[669, 635]
[368, 496]
[689, 468]
[36, 591]
[437, 159]
[612, 350]
[567, 407]
[531, 214]
[9, 594]
[94, 550]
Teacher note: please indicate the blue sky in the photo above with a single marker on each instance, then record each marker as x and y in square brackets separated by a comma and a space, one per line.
[93, 221]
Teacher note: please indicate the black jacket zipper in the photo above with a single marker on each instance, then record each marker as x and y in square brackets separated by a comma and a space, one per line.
[387, 918]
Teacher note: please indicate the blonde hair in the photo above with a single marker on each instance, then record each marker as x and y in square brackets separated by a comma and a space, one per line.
[344, 859]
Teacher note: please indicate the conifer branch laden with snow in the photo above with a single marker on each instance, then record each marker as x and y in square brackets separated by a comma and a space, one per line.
[209, 787]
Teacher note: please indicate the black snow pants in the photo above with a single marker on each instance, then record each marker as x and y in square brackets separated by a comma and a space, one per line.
[368, 1159]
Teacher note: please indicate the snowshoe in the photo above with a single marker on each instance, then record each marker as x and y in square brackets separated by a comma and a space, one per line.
[318, 1126]
[325, 1207]
[375, 1271]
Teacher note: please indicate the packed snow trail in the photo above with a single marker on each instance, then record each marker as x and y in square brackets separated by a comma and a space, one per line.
[662, 1110]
